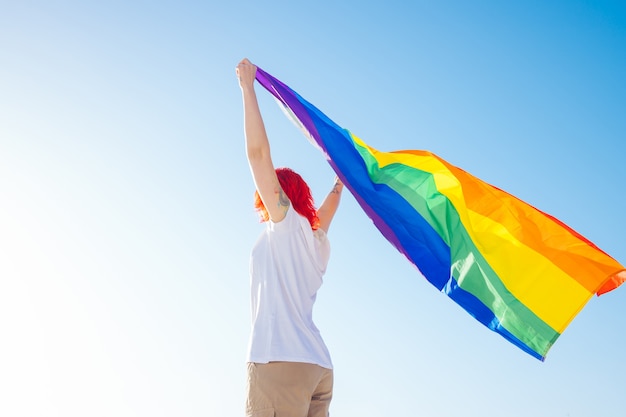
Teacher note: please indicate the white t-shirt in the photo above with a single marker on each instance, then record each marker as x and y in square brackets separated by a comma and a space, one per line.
[286, 269]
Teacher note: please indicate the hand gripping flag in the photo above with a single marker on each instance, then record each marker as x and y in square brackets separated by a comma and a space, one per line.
[519, 271]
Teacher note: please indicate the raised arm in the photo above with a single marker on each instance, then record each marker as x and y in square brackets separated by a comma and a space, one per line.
[258, 147]
[329, 207]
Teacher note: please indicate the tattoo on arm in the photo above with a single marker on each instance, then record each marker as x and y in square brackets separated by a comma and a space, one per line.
[335, 189]
[283, 200]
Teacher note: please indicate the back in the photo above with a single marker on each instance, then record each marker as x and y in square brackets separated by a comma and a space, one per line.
[286, 270]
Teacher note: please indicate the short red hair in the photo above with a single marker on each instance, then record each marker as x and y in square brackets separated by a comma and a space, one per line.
[299, 194]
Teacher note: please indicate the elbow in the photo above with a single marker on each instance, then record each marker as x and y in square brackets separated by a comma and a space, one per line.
[258, 156]
[253, 155]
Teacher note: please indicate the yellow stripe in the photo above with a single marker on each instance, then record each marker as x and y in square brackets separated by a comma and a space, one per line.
[554, 296]
[551, 294]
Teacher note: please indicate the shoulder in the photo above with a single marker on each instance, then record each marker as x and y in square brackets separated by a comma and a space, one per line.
[290, 220]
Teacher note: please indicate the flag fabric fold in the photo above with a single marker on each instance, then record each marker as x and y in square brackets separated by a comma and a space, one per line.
[519, 271]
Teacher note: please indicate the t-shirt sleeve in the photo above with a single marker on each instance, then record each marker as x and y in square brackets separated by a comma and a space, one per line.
[316, 241]
[322, 247]
[289, 222]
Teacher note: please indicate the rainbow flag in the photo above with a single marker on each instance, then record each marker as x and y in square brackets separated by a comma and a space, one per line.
[519, 271]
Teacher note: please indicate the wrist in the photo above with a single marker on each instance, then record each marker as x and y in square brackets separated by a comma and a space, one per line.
[247, 88]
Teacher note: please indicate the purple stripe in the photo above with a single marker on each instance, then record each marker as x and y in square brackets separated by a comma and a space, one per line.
[290, 99]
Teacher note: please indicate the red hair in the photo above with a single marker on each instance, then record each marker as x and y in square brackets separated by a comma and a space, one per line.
[299, 194]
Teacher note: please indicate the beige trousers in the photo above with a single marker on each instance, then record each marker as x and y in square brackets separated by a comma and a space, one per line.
[288, 389]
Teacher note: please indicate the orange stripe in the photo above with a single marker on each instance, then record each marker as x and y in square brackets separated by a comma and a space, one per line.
[567, 249]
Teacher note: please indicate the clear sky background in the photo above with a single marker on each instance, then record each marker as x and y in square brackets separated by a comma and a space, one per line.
[126, 214]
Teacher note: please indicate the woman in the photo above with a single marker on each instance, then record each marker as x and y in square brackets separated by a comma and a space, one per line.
[289, 367]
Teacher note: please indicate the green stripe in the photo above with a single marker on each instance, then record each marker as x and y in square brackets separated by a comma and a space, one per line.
[468, 266]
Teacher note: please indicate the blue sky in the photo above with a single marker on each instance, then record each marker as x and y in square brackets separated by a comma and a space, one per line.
[126, 218]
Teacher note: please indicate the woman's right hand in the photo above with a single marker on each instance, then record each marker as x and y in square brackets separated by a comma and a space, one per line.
[246, 73]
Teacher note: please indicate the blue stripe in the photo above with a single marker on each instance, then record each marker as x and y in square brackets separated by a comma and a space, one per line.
[396, 219]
